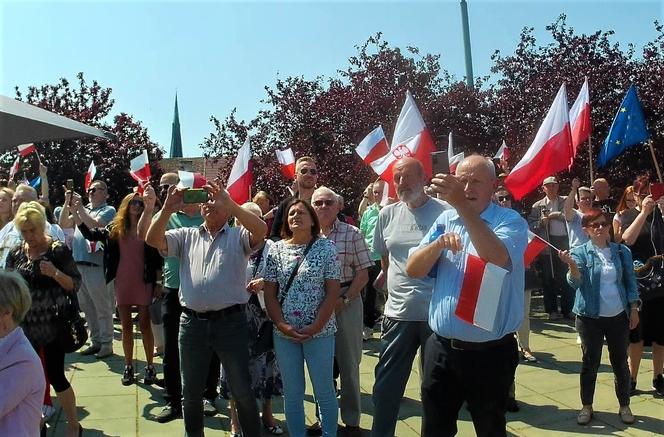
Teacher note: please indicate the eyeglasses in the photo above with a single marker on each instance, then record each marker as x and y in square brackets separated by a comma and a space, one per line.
[598, 225]
[136, 203]
[504, 198]
[326, 202]
[311, 171]
[94, 190]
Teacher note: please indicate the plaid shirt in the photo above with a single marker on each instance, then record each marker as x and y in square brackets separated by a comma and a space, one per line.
[352, 249]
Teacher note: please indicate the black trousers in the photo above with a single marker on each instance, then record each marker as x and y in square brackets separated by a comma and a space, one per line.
[480, 378]
[171, 312]
[370, 312]
[592, 333]
[555, 281]
[54, 366]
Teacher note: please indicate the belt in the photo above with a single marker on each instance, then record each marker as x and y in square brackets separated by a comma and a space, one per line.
[476, 346]
[211, 315]
[86, 263]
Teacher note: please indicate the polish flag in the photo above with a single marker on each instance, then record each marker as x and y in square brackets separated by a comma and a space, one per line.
[139, 169]
[452, 159]
[15, 167]
[579, 117]
[550, 152]
[90, 175]
[411, 138]
[374, 146]
[503, 155]
[535, 246]
[191, 180]
[26, 149]
[287, 160]
[239, 181]
[480, 292]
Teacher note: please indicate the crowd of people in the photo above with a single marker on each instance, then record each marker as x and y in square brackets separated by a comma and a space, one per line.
[246, 295]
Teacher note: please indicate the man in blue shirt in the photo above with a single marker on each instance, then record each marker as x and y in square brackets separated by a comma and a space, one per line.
[465, 362]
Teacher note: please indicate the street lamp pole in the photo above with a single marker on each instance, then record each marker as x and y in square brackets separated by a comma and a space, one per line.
[466, 44]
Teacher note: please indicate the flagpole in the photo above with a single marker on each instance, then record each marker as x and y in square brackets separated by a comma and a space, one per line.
[654, 159]
[590, 157]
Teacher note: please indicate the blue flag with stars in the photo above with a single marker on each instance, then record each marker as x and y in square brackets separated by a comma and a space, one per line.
[628, 128]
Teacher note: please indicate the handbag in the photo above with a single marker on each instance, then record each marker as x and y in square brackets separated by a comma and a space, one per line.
[72, 333]
[650, 277]
[264, 340]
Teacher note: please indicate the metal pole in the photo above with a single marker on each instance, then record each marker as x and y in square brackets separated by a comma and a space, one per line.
[466, 44]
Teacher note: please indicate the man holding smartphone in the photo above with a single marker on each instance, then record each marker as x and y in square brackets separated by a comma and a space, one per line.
[213, 298]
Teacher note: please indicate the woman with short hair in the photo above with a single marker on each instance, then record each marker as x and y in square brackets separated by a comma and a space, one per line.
[606, 306]
[49, 269]
[21, 375]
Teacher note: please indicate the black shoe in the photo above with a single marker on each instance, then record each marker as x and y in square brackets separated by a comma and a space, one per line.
[159, 382]
[314, 429]
[91, 350]
[128, 377]
[169, 413]
[658, 385]
[512, 405]
[632, 387]
[150, 376]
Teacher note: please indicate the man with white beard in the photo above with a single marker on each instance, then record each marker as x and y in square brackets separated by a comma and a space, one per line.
[405, 329]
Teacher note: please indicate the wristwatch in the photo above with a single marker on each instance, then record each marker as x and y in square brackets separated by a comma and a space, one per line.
[345, 299]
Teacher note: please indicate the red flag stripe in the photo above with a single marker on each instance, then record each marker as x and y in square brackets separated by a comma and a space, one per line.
[470, 288]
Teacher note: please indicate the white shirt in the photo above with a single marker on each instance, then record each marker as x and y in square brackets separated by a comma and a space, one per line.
[610, 304]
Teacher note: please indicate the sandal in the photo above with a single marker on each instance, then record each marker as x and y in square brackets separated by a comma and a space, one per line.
[528, 356]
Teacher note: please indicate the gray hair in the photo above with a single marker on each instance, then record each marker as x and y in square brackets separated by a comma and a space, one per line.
[324, 190]
[14, 295]
[252, 208]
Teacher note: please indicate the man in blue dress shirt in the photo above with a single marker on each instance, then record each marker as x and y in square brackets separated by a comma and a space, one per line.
[465, 362]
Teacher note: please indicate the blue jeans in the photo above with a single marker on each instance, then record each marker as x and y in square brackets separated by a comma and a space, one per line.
[319, 356]
[227, 336]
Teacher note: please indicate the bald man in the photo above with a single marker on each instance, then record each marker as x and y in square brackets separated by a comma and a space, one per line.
[399, 229]
[465, 362]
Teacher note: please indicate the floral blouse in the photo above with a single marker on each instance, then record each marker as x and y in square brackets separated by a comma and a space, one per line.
[307, 292]
[40, 324]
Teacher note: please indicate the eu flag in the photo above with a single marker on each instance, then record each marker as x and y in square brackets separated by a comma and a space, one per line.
[628, 128]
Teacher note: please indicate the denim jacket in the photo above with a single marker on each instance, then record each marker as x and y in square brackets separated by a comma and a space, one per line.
[587, 299]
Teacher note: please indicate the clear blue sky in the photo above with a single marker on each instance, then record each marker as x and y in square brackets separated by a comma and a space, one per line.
[220, 55]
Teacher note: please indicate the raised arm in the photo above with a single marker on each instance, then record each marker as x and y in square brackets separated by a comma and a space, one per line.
[252, 223]
[569, 201]
[156, 234]
[149, 199]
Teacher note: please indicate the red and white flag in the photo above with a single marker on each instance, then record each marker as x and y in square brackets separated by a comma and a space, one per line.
[480, 292]
[453, 160]
[90, 175]
[26, 149]
[411, 138]
[239, 181]
[139, 169]
[579, 118]
[191, 180]
[503, 155]
[374, 146]
[535, 246]
[550, 152]
[287, 160]
[15, 168]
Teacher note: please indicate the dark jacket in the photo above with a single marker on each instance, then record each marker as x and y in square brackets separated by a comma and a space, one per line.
[279, 217]
[153, 261]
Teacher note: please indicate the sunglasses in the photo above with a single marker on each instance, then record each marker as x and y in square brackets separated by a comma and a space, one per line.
[326, 202]
[504, 198]
[94, 190]
[164, 187]
[136, 203]
[598, 225]
[311, 171]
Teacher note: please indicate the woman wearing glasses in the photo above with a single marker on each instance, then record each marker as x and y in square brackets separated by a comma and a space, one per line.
[626, 212]
[606, 306]
[135, 267]
[645, 237]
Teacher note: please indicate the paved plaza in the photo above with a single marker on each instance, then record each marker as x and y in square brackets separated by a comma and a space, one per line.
[547, 392]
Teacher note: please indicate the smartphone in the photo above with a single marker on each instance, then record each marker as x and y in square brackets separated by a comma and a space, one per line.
[656, 190]
[440, 163]
[70, 184]
[195, 195]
